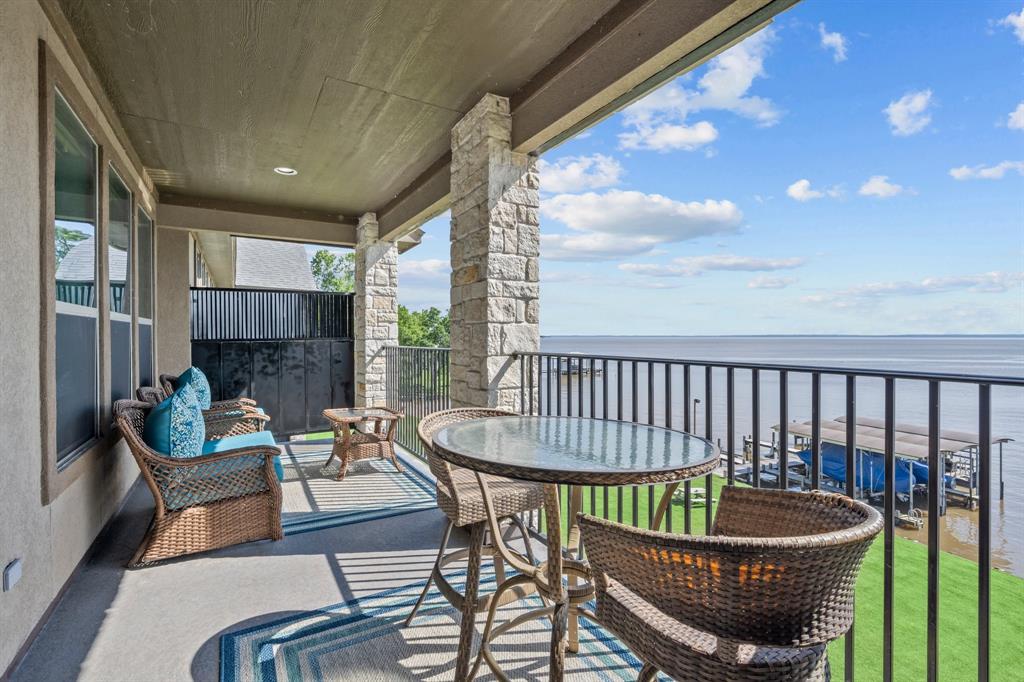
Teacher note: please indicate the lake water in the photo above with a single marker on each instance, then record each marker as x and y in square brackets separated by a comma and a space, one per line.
[983, 355]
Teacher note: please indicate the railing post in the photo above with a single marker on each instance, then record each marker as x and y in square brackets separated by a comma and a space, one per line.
[935, 483]
[984, 527]
[889, 514]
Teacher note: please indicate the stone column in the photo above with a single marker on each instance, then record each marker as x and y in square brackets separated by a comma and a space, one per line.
[495, 247]
[376, 318]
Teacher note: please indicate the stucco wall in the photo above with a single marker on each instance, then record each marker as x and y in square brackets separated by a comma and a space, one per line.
[50, 540]
[173, 260]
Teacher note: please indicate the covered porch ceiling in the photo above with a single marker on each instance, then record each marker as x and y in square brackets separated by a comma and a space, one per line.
[360, 95]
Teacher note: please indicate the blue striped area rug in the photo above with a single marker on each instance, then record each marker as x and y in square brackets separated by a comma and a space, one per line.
[364, 639]
[372, 489]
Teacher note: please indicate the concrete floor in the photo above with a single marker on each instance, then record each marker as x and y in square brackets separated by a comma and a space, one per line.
[164, 622]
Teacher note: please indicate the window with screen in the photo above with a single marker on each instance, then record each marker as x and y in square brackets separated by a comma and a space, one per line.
[77, 327]
[145, 260]
[119, 274]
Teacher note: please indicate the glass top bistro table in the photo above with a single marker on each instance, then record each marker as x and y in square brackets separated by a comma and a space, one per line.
[574, 451]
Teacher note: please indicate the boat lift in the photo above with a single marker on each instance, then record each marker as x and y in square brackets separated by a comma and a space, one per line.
[958, 449]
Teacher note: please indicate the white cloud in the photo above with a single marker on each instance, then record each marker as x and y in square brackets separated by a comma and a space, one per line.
[836, 42]
[879, 186]
[427, 270]
[909, 114]
[659, 120]
[635, 213]
[987, 283]
[593, 246]
[692, 266]
[801, 191]
[1015, 120]
[1015, 22]
[765, 282]
[982, 172]
[667, 137]
[617, 224]
[579, 173]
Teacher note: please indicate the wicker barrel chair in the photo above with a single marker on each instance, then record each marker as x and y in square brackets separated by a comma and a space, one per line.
[203, 502]
[757, 599]
[460, 498]
[169, 382]
[220, 422]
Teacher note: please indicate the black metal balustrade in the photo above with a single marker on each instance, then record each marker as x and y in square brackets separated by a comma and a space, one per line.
[683, 393]
[269, 314]
[417, 384]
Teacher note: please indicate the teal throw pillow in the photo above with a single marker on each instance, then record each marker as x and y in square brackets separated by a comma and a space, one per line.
[176, 427]
[194, 377]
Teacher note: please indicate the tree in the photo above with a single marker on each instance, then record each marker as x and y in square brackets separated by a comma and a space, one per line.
[426, 328]
[334, 272]
[66, 240]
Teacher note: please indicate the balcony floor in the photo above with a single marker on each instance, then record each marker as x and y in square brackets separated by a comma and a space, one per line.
[164, 622]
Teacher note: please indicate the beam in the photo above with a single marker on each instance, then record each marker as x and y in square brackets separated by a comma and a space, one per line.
[634, 48]
[247, 220]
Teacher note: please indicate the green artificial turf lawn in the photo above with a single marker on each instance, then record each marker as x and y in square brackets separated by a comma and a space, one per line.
[958, 602]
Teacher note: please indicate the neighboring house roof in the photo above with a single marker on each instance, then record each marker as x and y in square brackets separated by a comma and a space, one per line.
[265, 264]
[79, 263]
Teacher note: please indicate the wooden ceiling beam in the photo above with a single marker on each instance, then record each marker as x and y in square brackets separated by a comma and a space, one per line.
[253, 220]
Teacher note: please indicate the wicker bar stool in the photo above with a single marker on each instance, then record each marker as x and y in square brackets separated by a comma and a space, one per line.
[757, 599]
[460, 496]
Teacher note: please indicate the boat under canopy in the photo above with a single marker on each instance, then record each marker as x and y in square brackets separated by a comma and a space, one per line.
[958, 450]
[911, 439]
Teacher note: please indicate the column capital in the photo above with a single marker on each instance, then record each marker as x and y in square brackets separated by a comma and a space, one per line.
[367, 229]
[490, 117]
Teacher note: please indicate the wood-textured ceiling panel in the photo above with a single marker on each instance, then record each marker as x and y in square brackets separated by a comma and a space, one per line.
[359, 95]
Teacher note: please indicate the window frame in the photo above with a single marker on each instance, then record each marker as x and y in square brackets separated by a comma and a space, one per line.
[89, 311]
[57, 476]
[137, 301]
[133, 369]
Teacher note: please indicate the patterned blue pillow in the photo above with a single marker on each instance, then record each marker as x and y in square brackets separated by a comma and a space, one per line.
[176, 427]
[194, 377]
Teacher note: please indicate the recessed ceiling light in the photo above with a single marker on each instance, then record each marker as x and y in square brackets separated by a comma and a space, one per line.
[285, 170]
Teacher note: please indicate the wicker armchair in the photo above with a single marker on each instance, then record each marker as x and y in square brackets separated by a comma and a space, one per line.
[221, 422]
[460, 498]
[204, 502]
[758, 599]
[169, 382]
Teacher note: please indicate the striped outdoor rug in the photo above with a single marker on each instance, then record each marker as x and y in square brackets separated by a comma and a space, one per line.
[364, 640]
[372, 489]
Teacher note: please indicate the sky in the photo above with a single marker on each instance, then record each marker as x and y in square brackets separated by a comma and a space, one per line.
[854, 168]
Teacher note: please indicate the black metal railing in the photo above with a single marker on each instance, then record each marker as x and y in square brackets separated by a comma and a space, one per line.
[269, 314]
[751, 410]
[417, 384]
[678, 393]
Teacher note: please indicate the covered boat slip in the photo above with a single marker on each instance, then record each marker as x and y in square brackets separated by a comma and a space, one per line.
[957, 448]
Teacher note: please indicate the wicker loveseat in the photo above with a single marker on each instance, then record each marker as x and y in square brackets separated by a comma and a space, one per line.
[757, 599]
[225, 497]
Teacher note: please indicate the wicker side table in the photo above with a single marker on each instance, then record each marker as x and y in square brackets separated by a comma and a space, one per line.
[351, 444]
